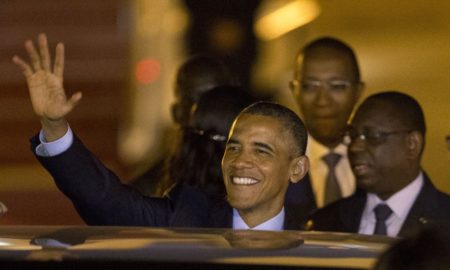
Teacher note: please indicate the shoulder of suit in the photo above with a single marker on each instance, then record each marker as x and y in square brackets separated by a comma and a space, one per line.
[321, 216]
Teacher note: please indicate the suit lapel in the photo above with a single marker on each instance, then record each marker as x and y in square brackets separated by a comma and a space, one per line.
[301, 193]
[420, 210]
[299, 202]
[351, 211]
[221, 215]
[291, 222]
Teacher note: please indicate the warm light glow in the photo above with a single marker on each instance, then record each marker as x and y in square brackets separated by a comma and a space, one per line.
[147, 71]
[4, 244]
[286, 18]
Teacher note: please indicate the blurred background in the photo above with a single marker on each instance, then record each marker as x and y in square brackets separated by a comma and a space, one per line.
[123, 56]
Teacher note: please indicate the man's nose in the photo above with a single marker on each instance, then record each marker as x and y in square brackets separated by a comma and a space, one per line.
[243, 160]
[323, 95]
[357, 144]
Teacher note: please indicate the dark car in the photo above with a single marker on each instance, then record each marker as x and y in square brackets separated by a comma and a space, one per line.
[83, 247]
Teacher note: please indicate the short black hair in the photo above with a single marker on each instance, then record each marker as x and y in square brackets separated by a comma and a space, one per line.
[335, 44]
[290, 121]
[216, 109]
[202, 65]
[198, 153]
[408, 110]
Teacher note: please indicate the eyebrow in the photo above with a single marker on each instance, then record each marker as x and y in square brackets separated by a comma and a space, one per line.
[257, 144]
[232, 141]
[263, 145]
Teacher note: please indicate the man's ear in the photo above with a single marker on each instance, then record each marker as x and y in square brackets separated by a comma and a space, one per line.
[299, 168]
[415, 144]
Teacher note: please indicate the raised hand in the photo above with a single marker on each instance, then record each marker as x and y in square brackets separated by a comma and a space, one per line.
[45, 85]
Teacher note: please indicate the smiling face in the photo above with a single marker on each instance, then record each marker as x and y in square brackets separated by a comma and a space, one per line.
[326, 92]
[258, 165]
[387, 164]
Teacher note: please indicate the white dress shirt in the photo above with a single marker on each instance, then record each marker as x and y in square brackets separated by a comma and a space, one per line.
[274, 224]
[319, 170]
[400, 204]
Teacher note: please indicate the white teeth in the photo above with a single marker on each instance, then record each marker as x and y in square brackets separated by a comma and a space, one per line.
[244, 181]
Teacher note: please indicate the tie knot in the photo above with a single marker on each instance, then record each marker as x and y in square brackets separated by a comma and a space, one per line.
[382, 212]
[331, 159]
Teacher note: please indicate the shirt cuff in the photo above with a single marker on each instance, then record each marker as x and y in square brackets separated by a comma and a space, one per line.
[50, 149]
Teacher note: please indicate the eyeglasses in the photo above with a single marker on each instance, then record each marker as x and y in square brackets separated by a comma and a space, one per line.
[314, 85]
[370, 136]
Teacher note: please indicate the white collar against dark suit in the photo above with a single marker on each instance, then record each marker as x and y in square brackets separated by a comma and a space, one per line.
[274, 224]
[400, 204]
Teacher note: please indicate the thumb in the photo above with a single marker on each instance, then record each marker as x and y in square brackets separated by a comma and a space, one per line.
[74, 100]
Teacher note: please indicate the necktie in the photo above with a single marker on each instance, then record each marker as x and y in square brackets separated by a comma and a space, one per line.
[332, 190]
[382, 213]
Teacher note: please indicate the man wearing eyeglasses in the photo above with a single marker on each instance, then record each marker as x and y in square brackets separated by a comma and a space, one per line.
[326, 86]
[395, 197]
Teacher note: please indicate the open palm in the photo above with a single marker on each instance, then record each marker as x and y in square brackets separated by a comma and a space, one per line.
[46, 85]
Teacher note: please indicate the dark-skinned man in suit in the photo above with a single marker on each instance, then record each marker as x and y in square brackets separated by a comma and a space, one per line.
[395, 197]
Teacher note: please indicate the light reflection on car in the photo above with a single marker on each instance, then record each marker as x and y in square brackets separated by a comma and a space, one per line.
[177, 248]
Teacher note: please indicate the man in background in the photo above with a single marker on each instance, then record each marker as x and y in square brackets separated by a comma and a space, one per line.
[395, 197]
[326, 85]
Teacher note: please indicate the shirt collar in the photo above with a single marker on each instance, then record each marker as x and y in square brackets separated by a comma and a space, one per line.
[401, 202]
[318, 150]
[274, 224]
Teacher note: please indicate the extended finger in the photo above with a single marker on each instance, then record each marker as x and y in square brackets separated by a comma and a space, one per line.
[59, 61]
[34, 56]
[26, 69]
[74, 99]
[43, 49]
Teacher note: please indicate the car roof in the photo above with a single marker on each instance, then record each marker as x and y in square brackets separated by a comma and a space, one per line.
[181, 247]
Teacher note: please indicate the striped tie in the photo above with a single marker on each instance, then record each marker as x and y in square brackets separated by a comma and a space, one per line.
[332, 190]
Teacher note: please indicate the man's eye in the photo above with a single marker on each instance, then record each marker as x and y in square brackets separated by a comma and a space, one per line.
[373, 136]
[231, 148]
[339, 86]
[309, 86]
[262, 152]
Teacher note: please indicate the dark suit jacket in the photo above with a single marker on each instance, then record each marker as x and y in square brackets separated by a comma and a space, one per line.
[300, 199]
[431, 207]
[101, 199]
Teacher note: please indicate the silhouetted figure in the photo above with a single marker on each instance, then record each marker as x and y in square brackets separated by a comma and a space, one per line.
[427, 250]
[196, 76]
[199, 150]
[224, 29]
